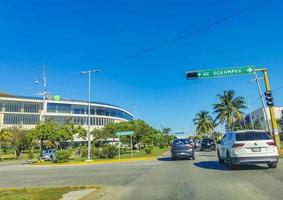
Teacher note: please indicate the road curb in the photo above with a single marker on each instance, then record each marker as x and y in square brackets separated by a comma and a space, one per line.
[95, 162]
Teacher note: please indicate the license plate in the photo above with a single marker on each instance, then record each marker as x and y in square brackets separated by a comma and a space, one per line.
[182, 153]
[257, 149]
[208, 144]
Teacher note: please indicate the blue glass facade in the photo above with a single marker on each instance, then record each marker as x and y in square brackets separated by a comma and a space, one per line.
[28, 112]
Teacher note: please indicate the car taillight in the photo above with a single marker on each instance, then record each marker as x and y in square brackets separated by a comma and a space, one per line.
[271, 143]
[190, 146]
[236, 145]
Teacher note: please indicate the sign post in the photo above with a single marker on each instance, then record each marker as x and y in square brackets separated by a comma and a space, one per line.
[212, 73]
[244, 70]
[125, 133]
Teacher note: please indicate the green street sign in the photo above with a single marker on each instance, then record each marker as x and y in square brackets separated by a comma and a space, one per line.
[125, 133]
[211, 73]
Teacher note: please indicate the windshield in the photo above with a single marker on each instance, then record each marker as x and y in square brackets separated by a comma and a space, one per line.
[248, 136]
[181, 142]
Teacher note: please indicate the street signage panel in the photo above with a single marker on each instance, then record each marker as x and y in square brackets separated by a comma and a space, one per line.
[179, 133]
[125, 133]
[211, 73]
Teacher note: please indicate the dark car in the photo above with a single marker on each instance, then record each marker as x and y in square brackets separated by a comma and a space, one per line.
[182, 148]
[207, 144]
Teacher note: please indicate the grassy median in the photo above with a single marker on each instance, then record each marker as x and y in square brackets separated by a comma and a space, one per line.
[47, 193]
[125, 157]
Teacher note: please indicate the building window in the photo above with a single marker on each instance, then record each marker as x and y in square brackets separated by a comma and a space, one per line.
[18, 119]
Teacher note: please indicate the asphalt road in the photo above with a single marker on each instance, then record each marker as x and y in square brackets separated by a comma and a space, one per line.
[159, 179]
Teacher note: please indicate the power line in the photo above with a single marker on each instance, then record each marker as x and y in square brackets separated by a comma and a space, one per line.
[200, 29]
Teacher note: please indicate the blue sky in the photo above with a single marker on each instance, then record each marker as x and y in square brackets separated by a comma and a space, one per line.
[70, 36]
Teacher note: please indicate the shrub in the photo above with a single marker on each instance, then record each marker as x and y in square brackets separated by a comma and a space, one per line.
[63, 156]
[93, 152]
[109, 151]
[161, 146]
[147, 149]
[30, 155]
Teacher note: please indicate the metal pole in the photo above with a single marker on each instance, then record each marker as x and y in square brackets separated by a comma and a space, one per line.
[119, 147]
[44, 108]
[132, 146]
[267, 126]
[272, 112]
[88, 129]
[250, 113]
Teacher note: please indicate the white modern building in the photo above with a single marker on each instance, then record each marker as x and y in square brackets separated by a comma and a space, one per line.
[258, 115]
[26, 112]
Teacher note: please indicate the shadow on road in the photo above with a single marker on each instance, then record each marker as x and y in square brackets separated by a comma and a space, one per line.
[170, 159]
[214, 165]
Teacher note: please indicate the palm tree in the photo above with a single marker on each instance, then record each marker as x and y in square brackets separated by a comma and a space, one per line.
[204, 123]
[228, 110]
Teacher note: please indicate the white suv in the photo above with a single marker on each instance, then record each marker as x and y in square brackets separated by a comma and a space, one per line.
[247, 147]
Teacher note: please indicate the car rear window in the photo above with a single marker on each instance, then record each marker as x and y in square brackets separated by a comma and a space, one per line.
[249, 136]
[181, 142]
[207, 140]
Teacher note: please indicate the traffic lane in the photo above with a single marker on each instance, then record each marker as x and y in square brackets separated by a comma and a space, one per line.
[246, 182]
[202, 179]
[114, 174]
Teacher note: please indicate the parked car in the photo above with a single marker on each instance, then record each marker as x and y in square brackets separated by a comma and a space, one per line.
[207, 144]
[49, 154]
[247, 147]
[182, 148]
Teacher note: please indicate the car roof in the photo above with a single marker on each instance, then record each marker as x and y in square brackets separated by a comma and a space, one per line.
[248, 131]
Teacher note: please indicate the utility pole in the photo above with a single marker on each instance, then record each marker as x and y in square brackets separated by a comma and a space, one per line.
[271, 110]
[267, 125]
[250, 112]
[89, 98]
[43, 93]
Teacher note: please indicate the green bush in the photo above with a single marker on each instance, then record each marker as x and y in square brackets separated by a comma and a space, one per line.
[30, 155]
[147, 149]
[93, 152]
[161, 146]
[63, 155]
[109, 151]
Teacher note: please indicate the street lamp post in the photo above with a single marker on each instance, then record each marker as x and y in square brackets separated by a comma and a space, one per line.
[89, 97]
[43, 93]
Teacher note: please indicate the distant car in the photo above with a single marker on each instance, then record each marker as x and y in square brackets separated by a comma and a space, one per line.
[182, 148]
[207, 144]
[247, 147]
[49, 154]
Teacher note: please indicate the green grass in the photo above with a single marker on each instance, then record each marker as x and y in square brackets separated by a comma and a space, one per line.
[38, 193]
[137, 154]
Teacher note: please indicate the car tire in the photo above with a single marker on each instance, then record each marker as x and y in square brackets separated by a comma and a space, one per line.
[272, 165]
[229, 161]
[220, 160]
[193, 157]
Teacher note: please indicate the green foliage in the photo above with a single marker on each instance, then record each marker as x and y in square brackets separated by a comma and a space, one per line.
[109, 151]
[53, 133]
[228, 109]
[148, 149]
[30, 155]
[16, 137]
[63, 155]
[204, 123]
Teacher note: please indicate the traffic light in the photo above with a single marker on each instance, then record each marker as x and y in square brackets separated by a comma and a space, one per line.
[192, 75]
[269, 98]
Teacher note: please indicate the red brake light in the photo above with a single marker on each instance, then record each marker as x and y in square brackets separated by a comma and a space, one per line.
[190, 146]
[236, 145]
[271, 143]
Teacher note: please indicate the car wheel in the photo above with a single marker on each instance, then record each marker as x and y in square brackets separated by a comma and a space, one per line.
[193, 157]
[272, 164]
[229, 161]
[221, 161]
